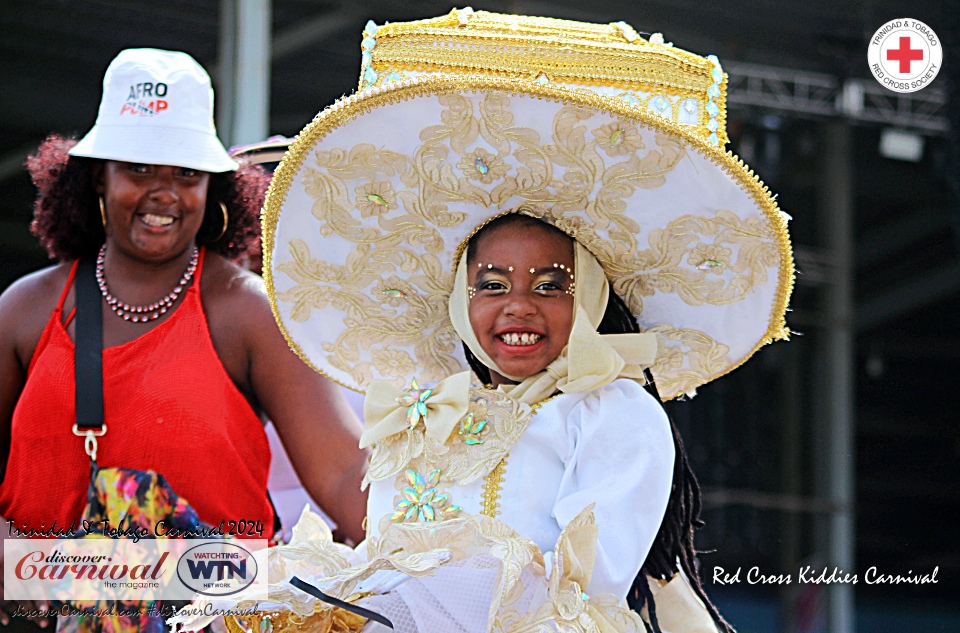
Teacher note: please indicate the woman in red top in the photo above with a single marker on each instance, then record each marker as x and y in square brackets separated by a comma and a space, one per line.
[192, 354]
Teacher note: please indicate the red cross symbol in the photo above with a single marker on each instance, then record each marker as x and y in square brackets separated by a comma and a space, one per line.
[905, 54]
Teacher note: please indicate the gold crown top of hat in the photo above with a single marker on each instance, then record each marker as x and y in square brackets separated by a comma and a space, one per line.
[609, 59]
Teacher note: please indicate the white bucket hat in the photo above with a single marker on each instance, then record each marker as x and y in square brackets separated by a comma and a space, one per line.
[157, 109]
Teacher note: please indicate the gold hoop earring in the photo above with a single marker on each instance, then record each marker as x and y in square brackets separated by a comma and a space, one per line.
[226, 219]
[103, 214]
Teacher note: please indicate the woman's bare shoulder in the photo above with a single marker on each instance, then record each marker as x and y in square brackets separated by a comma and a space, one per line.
[236, 287]
[25, 306]
[235, 301]
[37, 291]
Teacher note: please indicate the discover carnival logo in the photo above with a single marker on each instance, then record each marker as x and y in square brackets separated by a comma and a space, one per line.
[124, 569]
[905, 55]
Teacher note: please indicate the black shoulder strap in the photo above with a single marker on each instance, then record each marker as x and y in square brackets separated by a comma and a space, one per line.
[88, 359]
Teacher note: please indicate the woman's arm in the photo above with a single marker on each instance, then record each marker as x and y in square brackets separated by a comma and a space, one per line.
[621, 458]
[319, 430]
[25, 308]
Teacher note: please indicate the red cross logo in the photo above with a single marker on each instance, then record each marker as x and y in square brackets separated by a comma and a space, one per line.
[905, 54]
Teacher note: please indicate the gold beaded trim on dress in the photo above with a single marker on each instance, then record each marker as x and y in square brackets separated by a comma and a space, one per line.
[492, 485]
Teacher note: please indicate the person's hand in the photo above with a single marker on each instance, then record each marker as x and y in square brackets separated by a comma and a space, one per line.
[31, 609]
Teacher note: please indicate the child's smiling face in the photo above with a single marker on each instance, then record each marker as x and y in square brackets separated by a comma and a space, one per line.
[521, 308]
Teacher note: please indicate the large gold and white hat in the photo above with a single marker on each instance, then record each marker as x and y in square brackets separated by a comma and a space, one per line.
[614, 139]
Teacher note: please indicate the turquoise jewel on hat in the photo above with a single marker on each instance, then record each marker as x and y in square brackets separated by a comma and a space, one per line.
[714, 91]
[366, 59]
[371, 28]
[392, 76]
[716, 74]
[266, 624]
[713, 139]
[712, 108]
[631, 99]
[370, 76]
[368, 43]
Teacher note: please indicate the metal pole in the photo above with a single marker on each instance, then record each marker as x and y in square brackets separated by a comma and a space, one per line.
[225, 71]
[838, 209]
[244, 91]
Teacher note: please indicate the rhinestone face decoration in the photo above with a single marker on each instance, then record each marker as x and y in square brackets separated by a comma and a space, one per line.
[422, 500]
[481, 166]
[266, 625]
[393, 292]
[617, 137]
[142, 314]
[416, 400]
[471, 429]
[377, 200]
[710, 264]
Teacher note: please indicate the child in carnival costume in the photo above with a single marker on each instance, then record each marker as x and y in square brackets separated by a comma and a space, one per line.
[516, 237]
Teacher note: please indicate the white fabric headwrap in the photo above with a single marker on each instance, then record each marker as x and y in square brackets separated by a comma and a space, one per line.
[589, 360]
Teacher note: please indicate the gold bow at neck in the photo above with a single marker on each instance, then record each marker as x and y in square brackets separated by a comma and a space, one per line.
[389, 410]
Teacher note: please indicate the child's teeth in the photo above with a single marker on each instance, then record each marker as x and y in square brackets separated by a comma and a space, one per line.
[526, 338]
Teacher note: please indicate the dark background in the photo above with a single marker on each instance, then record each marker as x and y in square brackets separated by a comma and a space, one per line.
[756, 437]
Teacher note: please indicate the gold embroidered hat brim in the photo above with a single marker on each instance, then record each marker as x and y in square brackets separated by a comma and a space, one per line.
[369, 208]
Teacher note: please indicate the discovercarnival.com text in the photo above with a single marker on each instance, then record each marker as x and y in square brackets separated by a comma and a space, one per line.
[65, 610]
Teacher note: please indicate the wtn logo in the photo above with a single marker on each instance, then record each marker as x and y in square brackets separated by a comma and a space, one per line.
[224, 569]
[217, 568]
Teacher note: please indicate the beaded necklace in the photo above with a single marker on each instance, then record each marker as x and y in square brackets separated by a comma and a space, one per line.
[142, 314]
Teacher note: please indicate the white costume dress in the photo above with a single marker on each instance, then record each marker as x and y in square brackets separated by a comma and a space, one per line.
[611, 447]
